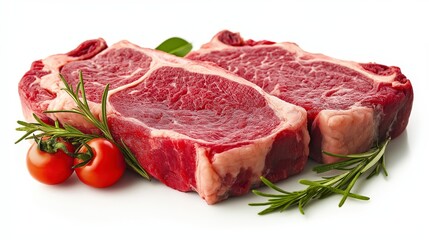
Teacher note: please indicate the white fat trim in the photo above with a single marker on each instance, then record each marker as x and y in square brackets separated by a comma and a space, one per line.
[52, 82]
[290, 115]
[55, 62]
[229, 164]
[346, 131]
[250, 156]
[52, 64]
[171, 134]
[207, 180]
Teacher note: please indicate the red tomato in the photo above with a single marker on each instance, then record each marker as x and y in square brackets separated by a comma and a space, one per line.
[106, 166]
[50, 168]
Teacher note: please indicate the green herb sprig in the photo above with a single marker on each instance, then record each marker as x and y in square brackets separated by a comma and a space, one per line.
[40, 129]
[352, 169]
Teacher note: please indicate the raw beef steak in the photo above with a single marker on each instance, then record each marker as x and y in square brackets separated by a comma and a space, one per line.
[350, 105]
[191, 125]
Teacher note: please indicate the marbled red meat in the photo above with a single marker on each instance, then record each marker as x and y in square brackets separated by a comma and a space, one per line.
[351, 106]
[191, 125]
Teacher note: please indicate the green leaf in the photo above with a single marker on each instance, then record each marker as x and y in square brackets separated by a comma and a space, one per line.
[176, 46]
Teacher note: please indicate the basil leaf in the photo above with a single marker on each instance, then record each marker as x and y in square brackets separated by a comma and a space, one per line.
[176, 46]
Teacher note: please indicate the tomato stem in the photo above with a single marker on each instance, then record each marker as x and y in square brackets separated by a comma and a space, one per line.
[85, 156]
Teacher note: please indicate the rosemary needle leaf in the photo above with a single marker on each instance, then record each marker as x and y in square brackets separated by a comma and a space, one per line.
[358, 155]
[260, 204]
[103, 109]
[273, 186]
[338, 165]
[352, 167]
[262, 194]
[383, 166]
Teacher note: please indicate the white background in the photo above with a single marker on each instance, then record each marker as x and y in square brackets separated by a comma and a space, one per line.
[387, 32]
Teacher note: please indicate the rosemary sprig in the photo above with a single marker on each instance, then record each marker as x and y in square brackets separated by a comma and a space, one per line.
[41, 129]
[352, 169]
[71, 133]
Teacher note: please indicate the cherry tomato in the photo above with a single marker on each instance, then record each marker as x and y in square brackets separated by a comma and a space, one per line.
[50, 168]
[106, 166]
